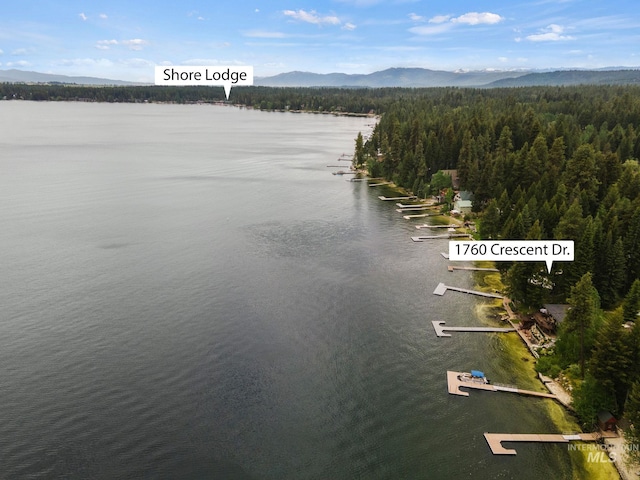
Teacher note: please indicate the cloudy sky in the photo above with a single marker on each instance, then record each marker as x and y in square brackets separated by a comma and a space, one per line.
[125, 39]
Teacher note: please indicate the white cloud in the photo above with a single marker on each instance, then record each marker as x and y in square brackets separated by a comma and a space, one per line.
[103, 16]
[475, 18]
[439, 19]
[349, 26]
[133, 44]
[22, 51]
[431, 29]
[503, 59]
[444, 23]
[552, 33]
[312, 17]
[105, 44]
[416, 18]
[83, 17]
[1, 52]
[264, 34]
[19, 63]
[85, 62]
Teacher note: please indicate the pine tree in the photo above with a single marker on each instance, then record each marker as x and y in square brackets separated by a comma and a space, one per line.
[631, 305]
[612, 359]
[577, 332]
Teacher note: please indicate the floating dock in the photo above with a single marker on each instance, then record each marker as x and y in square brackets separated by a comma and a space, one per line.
[454, 383]
[441, 289]
[495, 439]
[451, 268]
[439, 327]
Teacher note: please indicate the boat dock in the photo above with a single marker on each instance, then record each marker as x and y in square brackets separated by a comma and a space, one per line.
[451, 268]
[439, 328]
[412, 209]
[413, 205]
[438, 226]
[441, 289]
[387, 199]
[379, 184]
[422, 215]
[495, 439]
[454, 383]
[432, 237]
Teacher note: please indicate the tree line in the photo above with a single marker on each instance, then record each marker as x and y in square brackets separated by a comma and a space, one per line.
[334, 100]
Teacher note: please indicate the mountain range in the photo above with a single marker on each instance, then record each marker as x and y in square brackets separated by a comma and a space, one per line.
[392, 77]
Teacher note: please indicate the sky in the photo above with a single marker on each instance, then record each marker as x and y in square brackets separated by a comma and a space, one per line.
[125, 39]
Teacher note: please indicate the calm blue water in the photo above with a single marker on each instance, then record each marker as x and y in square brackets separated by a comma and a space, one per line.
[187, 292]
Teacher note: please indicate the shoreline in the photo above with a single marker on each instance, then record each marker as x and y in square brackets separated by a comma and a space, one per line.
[560, 412]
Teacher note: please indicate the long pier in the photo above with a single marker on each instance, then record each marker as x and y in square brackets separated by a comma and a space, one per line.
[422, 215]
[454, 383]
[412, 209]
[451, 268]
[495, 439]
[453, 225]
[441, 289]
[387, 199]
[439, 327]
[432, 237]
[413, 205]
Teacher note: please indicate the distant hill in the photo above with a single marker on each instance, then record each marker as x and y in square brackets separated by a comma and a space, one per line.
[23, 76]
[421, 77]
[572, 77]
[392, 77]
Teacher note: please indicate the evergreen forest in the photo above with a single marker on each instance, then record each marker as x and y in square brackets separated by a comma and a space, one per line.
[543, 163]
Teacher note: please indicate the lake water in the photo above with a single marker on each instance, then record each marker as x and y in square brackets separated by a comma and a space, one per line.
[187, 292]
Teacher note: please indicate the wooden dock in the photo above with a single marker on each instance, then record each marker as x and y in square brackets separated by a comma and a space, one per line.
[439, 328]
[421, 238]
[441, 289]
[495, 439]
[412, 209]
[422, 215]
[451, 268]
[438, 226]
[388, 199]
[413, 205]
[454, 383]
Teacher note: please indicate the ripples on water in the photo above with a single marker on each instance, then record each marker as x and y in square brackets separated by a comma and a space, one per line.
[188, 293]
